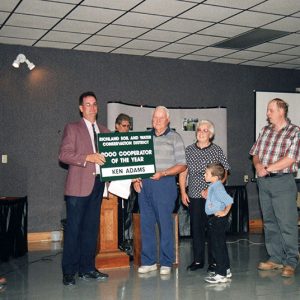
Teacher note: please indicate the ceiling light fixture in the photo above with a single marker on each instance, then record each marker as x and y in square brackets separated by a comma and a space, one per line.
[21, 58]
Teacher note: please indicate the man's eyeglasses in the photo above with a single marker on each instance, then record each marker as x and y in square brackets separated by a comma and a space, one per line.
[90, 104]
[125, 125]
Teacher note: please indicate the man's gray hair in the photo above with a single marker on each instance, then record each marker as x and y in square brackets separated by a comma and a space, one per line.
[162, 108]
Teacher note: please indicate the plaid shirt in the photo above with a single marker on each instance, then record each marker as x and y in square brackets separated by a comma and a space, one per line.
[273, 145]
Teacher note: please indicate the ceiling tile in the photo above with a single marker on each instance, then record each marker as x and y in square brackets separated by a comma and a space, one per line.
[180, 48]
[292, 51]
[165, 7]
[141, 20]
[18, 32]
[225, 60]
[242, 4]
[275, 58]
[252, 19]
[32, 21]
[52, 44]
[284, 66]
[224, 30]
[94, 14]
[162, 35]
[285, 7]
[145, 45]
[292, 39]
[294, 61]
[115, 4]
[130, 51]
[8, 5]
[211, 51]
[246, 55]
[286, 24]
[123, 31]
[256, 63]
[16, 41]
[197, 57]
[69, 1]
[183, 25]
[79, 26]
[100, 40]
[269, 47]
[209, 13]
[3, 16]
[68, 37]
[94, 48]
[164, 54]
[204, 40]
[44, 8]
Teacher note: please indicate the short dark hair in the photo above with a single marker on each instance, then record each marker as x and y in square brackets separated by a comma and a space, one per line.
[122, 117]
[282, 104]
[216, 169]
[86, 94]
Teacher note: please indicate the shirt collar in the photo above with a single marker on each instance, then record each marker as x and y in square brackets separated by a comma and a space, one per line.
[165, 132]
[88, 123]
[288, 122]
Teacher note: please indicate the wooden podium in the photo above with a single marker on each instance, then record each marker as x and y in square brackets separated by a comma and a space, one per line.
[109, 256]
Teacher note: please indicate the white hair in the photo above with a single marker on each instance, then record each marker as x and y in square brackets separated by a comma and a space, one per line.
[211, 127]
[162, 108]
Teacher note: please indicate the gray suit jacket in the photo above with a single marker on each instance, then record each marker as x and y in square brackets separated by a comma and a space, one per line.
[76, 144]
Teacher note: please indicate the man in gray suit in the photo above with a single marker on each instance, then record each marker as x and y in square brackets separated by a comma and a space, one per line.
[83, 192]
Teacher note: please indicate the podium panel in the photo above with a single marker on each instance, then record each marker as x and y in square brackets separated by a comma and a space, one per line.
[109, 256]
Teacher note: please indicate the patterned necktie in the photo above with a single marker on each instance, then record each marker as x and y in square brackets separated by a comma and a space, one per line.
[95, 138]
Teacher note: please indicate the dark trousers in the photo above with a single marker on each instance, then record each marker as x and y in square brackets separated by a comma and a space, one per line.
[217, 235]
[125, 209]
[81, 232]
[198, 220]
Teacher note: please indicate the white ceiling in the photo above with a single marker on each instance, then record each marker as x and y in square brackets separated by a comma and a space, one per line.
[161, 28]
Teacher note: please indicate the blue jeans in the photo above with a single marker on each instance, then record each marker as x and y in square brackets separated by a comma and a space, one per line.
[157, 202]
[279, 209]
[81, 232]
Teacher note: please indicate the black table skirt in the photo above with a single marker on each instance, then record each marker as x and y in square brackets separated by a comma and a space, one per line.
[239, 214]
[13, 227]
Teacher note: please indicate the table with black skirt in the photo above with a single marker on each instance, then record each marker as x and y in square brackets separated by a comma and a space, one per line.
[13, 227]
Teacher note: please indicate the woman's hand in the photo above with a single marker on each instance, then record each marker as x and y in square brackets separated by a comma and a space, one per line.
[204, 193]
[185, 199]
[137, 184]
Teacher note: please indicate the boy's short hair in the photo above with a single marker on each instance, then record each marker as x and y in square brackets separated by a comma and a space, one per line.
[216, 169]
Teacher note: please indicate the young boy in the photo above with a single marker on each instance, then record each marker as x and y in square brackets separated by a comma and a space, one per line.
[217, 206]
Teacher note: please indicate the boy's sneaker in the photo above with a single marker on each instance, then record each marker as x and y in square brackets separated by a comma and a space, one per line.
[216, 279]
[228, 273]
[211, 268]
[164, 270]
[146, 269]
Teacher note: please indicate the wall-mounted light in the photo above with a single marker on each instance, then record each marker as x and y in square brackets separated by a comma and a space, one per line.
[21, 58]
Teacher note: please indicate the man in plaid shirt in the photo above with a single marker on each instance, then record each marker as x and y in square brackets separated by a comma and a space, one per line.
[276, 155]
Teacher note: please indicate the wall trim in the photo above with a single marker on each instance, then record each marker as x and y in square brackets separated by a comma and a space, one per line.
[37, 237]
[256, 225]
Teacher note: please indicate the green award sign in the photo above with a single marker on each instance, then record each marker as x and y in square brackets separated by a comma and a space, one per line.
[128, 155]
